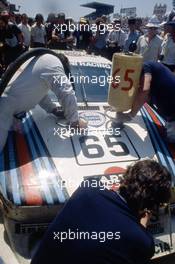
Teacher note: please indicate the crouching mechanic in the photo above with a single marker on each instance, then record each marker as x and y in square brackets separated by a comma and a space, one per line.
[101, 226]
[31, 87]
[157, 84]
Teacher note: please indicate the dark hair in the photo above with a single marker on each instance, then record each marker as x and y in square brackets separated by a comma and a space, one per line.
[39, 16]
[24, 14]
[131, 21]
[145, 185]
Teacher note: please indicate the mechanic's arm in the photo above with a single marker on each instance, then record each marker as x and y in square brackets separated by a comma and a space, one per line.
[143, 94]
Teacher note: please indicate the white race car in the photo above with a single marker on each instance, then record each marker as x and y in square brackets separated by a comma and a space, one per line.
[44, 162]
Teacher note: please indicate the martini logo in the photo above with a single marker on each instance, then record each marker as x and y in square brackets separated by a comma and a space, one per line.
[94, 119]
[110, 180]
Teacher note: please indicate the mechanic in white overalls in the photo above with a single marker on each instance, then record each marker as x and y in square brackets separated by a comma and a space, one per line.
[31, 87]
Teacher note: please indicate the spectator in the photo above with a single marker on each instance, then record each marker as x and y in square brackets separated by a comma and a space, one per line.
[104, 19]
[11, 39]
[38, 33]
[168, 47]
[61, 36]
[149, 45]
[132, 38]
[18, 19]
[83, 36]
[50, 26]
[12, 18]
[116, 218]
[115, 39]
[31, 21]
[139, 24]
[99, 40]
[26, 30]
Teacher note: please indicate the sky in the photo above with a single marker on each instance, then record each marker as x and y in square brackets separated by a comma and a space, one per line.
[72, 7]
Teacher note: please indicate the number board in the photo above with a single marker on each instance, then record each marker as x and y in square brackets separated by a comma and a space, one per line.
[103, 148]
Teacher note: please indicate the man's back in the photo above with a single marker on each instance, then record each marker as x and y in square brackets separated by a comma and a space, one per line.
[162, 87]
[98, 228]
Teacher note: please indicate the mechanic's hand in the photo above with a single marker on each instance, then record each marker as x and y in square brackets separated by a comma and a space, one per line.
[58, 113]
[80, 124]
[146, 218]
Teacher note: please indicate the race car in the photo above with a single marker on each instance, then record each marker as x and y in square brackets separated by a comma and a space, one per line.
[44, 161]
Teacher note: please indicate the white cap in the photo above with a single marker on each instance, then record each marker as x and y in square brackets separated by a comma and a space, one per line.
[153, 22]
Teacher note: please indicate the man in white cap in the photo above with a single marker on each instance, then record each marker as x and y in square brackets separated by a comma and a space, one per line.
[149, 45]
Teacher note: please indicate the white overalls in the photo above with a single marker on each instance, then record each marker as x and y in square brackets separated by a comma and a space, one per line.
[31, 87]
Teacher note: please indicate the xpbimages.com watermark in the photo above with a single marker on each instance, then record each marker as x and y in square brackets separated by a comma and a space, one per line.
[101, 80]
[102, 183]
[65, 132]
[102, 237]
[101, 28]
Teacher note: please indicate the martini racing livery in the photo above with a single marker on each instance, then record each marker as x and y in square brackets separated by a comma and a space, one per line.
[44, 161]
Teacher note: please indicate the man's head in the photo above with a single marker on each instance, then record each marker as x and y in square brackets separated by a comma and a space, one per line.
[153, 26]
[139, 23]
[132, 24]
[116, 23]
[146, 185]
[24, 19]
[104, 18]
[5, 16]
[60, 19]
[152, 31]
[39, 19]
[171, 25]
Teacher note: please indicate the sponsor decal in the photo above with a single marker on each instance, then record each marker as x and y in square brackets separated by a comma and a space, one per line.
[95, 119]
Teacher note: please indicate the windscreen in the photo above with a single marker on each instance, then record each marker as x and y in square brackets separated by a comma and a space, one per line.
[91, 83]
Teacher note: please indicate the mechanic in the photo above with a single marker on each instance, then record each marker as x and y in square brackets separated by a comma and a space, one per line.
[158, 86]
[124, 213]
[31, 87]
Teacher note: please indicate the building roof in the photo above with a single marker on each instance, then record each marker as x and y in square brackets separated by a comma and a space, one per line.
[97, 5]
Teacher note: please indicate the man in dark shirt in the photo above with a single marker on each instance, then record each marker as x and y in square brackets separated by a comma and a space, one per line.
[158, 86]
[83, 35]
[61, 36]
[12, 40]
[100, 226]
